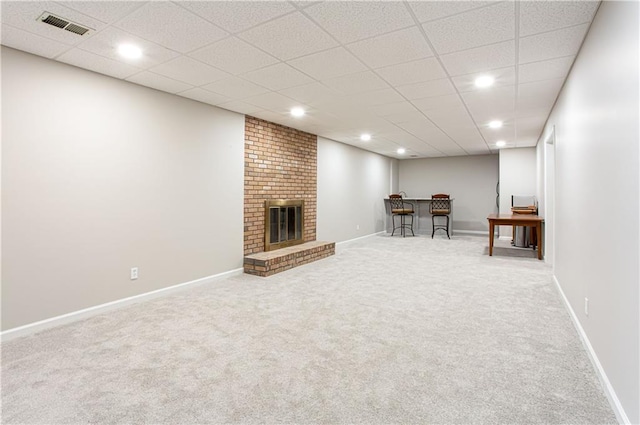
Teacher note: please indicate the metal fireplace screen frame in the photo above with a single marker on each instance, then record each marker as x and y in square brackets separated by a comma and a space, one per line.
[283, 223]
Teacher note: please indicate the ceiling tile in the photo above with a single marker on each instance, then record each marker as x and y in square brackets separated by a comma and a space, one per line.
[539, 112]
[550, 45]
[451, 149]
[24, 15]
[483, 58]
[189, 71]
[375, 82]
[204, 96]
[350, 21]
[393, 109]
[377, 97]
[289, 37]
[172, 26]
[234, 56]
[412, 72]
[483, 116]
[538, 94]
[428, 103]
[31, 43]
[478, 151]
[273, 101]
[508, 132]
[105, 11]
[439, 87]
[540, 88]
[502, 76]
[419, 125]
[474, 28]
[240, 107]
[310, 94]
[528, 132]
[397, 134]
[96, 63]
[431, 10]
[315, 116]
[537, 16]
[158, 82]
[470, 139]
[347, 108]
[328, 64]
[271, 116]
[237, 16]
[531, 126]
[383, 50]
[235, 88]
[106, 43]
[527, 142]
[356, 83]
[545, 70]
[404, 117]
[479, 102]
[450, 118]
[278, 77]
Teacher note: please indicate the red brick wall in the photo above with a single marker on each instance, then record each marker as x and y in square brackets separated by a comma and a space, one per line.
[279, 163]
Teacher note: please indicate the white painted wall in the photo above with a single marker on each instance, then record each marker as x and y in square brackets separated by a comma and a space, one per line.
[100, 175]
[470, 180]
[518, 171]
[352, 185]
[597, 188]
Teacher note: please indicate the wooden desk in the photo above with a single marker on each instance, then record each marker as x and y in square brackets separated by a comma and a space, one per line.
[528, 220]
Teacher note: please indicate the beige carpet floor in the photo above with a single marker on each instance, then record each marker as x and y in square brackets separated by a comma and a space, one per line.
[389, 330]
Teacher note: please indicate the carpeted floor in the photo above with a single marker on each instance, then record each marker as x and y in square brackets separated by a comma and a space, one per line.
[389, 330]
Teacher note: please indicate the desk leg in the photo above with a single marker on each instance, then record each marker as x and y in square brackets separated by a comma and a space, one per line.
[491, 231]
[539, 234]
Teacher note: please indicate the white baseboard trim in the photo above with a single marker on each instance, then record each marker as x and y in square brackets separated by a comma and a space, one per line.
[470, 232]
[604, 380]
[505, 238]
[344, 244]
[74, 316]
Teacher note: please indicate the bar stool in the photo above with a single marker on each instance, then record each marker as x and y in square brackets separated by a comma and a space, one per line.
[401, 208]
[440, 206]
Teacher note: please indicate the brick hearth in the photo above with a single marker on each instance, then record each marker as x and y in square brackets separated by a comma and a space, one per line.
[272, 262]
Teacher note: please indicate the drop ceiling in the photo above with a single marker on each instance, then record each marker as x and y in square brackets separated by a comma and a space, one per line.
[402, 72]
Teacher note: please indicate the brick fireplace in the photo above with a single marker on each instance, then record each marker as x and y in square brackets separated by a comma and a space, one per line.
[280, 164]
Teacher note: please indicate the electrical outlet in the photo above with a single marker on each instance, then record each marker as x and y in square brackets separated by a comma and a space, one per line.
[357, 227]
[586, 306]
[134, 273]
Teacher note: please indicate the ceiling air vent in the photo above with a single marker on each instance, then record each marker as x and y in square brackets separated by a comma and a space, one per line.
[56, 21]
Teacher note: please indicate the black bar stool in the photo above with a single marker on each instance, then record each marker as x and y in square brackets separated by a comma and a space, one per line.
[403, 209]
[440, 206]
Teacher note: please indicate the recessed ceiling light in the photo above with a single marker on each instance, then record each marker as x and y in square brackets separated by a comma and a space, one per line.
[484, 81]
[129, 51]
[495, 124]
[501, 143]
[401, 150]
[365, 137]
[297, 112]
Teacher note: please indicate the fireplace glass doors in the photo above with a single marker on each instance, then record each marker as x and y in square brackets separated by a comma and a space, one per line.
[284, 223]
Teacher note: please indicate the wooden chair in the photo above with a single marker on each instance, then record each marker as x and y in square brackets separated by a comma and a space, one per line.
[401, 208]
[440, 206]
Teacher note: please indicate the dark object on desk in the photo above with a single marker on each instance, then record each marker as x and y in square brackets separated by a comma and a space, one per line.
[401, 208]
[531, 209]
[524, 237]
[440, 206]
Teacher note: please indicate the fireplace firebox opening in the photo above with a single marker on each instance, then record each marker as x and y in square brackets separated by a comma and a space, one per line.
[283, 223]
